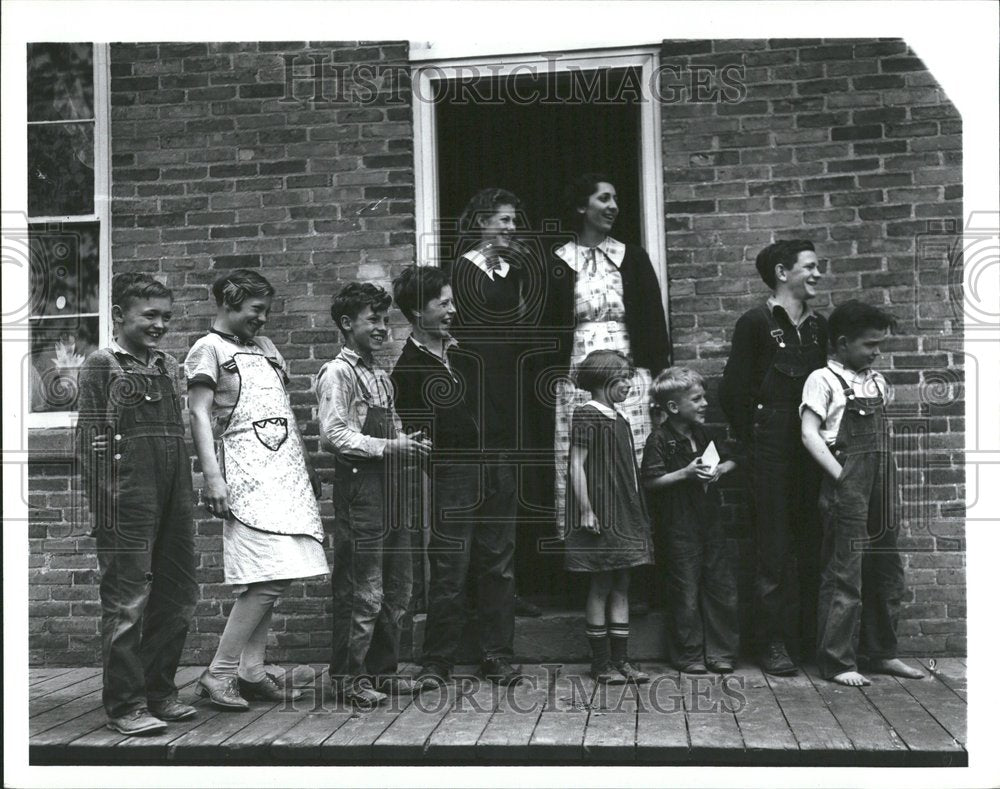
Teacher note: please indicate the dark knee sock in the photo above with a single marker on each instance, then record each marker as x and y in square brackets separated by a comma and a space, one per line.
[619, 641]
[597, 636]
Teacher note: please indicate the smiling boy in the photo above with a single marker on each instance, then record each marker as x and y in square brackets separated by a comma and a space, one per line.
[775, 347]
[690, 543]
[137, 480]
[373, 571]
[845, 430]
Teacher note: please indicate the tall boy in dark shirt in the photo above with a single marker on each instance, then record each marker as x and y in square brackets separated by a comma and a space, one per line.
[438, 387]
[775, 347]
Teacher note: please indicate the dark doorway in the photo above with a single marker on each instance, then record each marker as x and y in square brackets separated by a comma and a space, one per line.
[531, 134]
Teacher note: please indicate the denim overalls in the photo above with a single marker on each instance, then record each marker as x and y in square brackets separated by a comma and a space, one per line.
[862, 576]
[372, 569]
[145, 542]
[785, 482]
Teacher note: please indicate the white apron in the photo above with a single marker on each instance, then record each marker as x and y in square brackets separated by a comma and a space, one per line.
[265, 469]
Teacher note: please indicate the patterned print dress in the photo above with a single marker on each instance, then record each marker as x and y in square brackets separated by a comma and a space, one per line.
[600, 324]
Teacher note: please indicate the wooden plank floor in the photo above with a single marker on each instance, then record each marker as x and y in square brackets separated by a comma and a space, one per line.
[556, 716]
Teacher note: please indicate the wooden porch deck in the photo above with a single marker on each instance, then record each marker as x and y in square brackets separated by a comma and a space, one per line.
[556, 717]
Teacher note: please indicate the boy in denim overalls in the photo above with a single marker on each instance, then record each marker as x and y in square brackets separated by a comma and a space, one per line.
[372, 571]
[137, 480]
[775, 347]
[845, 430]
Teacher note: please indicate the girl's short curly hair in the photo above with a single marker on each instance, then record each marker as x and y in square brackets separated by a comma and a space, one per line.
[601, 367]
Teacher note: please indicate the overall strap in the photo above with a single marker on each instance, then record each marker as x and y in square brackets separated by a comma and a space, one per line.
[773, 328]
[845, 387]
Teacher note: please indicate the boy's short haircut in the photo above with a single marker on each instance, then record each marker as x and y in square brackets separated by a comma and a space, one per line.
[852, 318]
[785, 253]
[129, 288]
[672, 382]
[416, 286]
[354, 297]
[600, 367]
[237, 286]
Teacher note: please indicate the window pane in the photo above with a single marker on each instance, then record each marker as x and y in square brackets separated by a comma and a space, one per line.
[61, 169]
[60, 82]
[58, 348]
[65, 268]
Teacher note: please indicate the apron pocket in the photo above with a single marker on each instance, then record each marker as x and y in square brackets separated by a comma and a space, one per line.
[271, 432]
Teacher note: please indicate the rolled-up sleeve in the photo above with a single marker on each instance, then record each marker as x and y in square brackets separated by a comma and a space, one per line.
[816, 395]
[338, 414]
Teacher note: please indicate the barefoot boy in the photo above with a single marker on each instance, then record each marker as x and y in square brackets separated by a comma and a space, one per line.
[845, 430]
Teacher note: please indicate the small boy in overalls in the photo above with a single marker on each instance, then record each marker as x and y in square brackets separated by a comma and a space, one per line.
[775, 347]
[372, 572]
[136, 475]
[844, 428]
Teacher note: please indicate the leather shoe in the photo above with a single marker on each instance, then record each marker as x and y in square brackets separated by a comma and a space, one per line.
[268, 689]
[500, 671]
[632, 673]
[222, 691]
[361, 695]
[434, 675]
[776, 662]
[399, 685]
[694, 668]
[720, 666]
[607, 675]
[137, 722]
[170, 709]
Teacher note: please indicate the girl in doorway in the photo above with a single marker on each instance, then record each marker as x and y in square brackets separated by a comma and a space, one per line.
[261, 485]
[603, 294]
[607, 526]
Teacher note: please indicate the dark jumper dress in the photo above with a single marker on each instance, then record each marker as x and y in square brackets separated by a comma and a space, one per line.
[625, 539]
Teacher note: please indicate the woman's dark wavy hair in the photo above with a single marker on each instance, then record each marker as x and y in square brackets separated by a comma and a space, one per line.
[577, 194]
[237, 286]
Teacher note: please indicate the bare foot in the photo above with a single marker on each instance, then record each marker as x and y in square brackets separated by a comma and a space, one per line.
[852, 679]
[896, 668]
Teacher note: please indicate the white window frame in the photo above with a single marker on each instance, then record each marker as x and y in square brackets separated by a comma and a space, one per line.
[102, 215]
[425, 139]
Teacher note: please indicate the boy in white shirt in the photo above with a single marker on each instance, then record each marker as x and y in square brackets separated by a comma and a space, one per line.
[845, 430]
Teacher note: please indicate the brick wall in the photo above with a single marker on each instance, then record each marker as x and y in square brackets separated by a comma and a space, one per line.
[848, 143]
[851, 144]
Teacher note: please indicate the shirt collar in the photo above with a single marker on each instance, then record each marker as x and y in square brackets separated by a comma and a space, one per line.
[478, 259]
[859, 375]
[155, 355]
[610, 413]
[354, 358]
[449, 343]
[574, 255]
[807, 313]
[677, 435]
[234, 339]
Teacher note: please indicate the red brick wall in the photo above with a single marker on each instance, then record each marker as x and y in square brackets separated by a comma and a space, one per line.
[850, 144]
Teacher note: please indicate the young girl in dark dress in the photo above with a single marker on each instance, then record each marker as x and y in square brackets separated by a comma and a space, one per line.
[607, 525]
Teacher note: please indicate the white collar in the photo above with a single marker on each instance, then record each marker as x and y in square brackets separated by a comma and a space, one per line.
[573, 254]
[478, 259]
[858, 375]
[610, 413]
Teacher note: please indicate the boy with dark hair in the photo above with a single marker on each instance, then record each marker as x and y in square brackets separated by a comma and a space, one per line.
[845, 430]
[775, 347]
[690, 541]
[137, 479]
[372, 573]
[437, 388]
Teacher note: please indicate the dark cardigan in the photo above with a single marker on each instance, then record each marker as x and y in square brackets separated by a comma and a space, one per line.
[644, 318]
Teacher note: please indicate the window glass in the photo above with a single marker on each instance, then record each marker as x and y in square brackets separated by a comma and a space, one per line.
[61, 169]
[60, 82]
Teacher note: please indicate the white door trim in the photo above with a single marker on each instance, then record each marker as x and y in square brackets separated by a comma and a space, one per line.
[425, 74]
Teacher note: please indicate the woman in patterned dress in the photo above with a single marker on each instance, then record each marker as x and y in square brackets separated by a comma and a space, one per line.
[602, 294]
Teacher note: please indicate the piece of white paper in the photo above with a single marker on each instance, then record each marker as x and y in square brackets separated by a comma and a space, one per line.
[710, 457]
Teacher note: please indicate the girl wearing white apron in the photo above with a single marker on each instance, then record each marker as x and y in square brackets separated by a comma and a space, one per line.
[261, 484]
